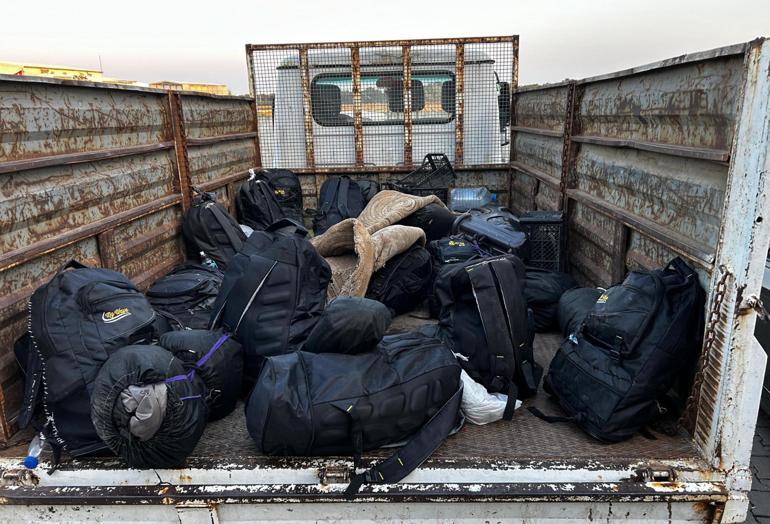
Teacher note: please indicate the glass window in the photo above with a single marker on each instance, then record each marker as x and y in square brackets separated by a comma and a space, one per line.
[382, 98]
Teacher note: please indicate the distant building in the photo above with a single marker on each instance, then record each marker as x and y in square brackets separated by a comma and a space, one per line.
[95, 75]
[50, 71]
[212, 89]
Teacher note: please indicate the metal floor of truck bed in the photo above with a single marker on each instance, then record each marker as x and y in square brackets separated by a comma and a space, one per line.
[525, 438]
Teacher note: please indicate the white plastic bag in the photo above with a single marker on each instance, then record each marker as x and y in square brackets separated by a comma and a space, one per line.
[480, 407]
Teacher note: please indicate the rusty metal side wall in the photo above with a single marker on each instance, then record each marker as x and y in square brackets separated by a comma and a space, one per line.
[38, 119]
[97, 174]
[206, 117]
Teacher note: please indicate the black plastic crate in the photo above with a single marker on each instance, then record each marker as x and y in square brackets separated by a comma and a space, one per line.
[545, 231]
[434, 177]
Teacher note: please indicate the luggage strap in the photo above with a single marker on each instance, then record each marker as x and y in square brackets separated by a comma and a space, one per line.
[500, 305]
[190, 374]
[226, 226]
[415, 451]
[269, 197]
[552, 418]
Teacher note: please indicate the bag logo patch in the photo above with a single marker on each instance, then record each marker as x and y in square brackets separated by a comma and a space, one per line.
[116, 314]
[456, 243]
[280, 192]
[603, 299]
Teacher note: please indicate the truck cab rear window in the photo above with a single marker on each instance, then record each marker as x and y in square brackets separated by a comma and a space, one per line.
[382, 98]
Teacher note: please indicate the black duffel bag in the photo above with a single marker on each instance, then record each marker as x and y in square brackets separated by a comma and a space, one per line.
[209, 228]
[543, 290]
[403, 282]
[483, 316]
[147, 408]
[574, 305]
[349, 325]
[286, 188]
[638, 339]
[218, 361]
[186, 295]
[332, 404]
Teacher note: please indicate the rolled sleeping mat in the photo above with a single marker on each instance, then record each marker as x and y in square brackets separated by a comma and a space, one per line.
[222, 371]
[349, 325]
[147, 409]
[574, 305]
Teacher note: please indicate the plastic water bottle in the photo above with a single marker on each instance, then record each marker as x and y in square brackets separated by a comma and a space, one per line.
[207, 262]
[462, 199]
[34, 451]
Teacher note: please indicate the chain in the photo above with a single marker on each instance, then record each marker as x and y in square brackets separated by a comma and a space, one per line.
[714, 315]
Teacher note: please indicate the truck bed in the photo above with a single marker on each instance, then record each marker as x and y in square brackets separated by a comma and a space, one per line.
[525, 438]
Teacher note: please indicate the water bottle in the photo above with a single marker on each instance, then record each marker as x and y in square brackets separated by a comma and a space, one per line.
[462, 199]
[34, 451]
[207, 262]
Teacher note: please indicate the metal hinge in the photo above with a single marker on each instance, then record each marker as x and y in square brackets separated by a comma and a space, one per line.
[334, 475]
[18, 477]
[654, 475]
[754, 303]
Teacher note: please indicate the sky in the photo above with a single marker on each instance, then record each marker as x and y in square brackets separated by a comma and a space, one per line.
[204, 41]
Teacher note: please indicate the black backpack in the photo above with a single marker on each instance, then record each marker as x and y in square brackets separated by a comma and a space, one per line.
[287, 190]
[186, 295]
[76, 321]
[369, 188]
[256, 204]
[435, 219]
[273, 293]
[403, 282]
[333, 404]
[630, 349]
[208, 227]
[340, 198]
[483, 316]
[543, 290]
[574, 305]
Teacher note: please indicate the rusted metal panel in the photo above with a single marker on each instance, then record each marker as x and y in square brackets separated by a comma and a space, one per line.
[592, 253]
[44, 203]
[358, 123]
[307, 107]
[41, 119]
[681, 197]
[406, 62]
[385, 43]
[182, 180]
[206, 117]
[541, 109]
[692, 105]
[210, 163]
[459, 101]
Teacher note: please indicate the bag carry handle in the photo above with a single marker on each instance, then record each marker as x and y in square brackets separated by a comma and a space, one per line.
[205, 358]
[408, 458]
[287, 223]
[226, 226]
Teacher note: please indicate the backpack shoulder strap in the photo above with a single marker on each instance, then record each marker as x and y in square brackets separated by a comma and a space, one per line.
[413, 453]
[496, 332]
[226, 226]
[335, 185]
[515, 308]
[250, 284]
[342, 197]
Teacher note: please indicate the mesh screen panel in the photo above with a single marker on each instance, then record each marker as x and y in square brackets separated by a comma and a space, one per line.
[369, 105]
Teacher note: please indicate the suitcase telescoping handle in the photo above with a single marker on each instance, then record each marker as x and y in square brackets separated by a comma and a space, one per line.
[413, 453]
